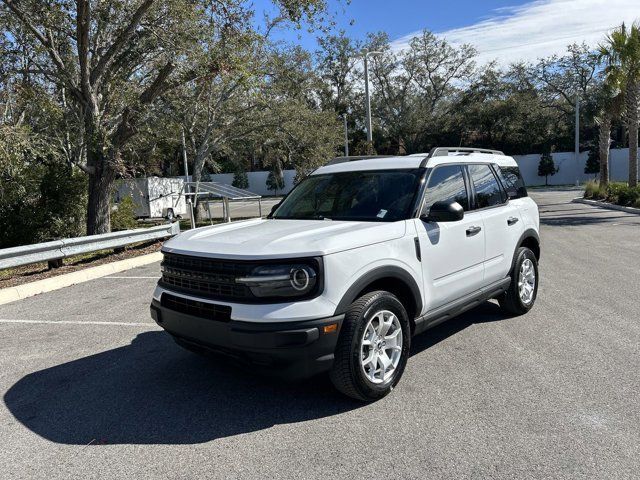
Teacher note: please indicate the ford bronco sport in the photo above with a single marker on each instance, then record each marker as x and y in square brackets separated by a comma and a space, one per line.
[361, 255]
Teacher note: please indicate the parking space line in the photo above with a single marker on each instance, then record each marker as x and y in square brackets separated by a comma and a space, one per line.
[78, 322]
[154, 278]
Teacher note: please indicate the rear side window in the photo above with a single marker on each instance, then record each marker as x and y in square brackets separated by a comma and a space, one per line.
[513, 181]
[488, 190]
[446, 183]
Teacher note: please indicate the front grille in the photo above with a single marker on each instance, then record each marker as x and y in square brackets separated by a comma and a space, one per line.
[206, 277]
[210, 311]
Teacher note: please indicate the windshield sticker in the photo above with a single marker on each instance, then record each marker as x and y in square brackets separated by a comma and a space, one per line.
[381, 213]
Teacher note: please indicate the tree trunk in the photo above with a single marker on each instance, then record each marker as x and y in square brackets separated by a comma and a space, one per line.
[99, 205]
[632, 125]
[604, 142]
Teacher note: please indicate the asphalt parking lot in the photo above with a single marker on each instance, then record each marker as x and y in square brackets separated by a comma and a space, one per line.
[91, 388]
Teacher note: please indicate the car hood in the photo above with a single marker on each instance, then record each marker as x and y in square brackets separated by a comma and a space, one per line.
[260, 238]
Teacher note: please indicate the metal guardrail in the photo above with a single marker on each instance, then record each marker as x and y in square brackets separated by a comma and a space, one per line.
[59, 249]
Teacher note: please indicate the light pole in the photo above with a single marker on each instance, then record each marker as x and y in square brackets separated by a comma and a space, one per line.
[577, 140]
[346, 135]
[366, 92]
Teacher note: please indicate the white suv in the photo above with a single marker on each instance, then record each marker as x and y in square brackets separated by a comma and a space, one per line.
[363, 254]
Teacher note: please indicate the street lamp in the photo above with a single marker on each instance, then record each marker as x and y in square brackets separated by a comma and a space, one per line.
[366, 92]
[346, 135]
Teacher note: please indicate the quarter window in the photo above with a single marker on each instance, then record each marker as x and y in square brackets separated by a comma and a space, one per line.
[446, 183]
[513, 181]
[488, 191]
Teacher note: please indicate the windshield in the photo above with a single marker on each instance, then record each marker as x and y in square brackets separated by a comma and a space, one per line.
[381, 196]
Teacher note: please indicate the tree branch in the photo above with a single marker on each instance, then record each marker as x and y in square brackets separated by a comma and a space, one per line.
[118, 43]
[47, 43]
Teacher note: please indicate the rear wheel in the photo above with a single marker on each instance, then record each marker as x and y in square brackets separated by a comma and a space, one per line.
[373, 347]
[522, 292]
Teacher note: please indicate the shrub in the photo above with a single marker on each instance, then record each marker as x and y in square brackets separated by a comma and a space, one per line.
[41, 200]
[618, 193]
[124, 216]
[240, 180]
[593, 190]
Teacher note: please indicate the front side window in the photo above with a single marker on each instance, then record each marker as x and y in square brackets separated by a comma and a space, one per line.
[381, 196]
[487, 188]
[446, 184]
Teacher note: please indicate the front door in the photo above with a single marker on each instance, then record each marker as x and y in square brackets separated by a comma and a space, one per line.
[452, 252]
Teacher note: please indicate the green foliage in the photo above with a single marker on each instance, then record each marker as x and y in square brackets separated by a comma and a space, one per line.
[618, 193]
[123, 217]
[594, 191]
[275, 181]
[593, 162]
[547, 167]
[240, 180]
[44, 201]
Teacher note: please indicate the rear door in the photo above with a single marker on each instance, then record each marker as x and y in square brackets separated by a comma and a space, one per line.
[452, 252]
[502, 221]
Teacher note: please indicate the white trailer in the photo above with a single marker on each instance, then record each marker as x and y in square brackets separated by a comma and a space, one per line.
[155, 197]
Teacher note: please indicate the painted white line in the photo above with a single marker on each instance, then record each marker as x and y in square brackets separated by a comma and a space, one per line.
[155, 278]
[78, 322]
[11, 294]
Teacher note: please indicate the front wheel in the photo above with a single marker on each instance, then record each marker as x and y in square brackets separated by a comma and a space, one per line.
[373, 347]
[522, 292]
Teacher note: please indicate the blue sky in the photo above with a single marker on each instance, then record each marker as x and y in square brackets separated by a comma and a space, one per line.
[400, 17]
[505, 30]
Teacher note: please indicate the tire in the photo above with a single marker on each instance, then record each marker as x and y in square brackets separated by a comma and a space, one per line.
[511, 301]
[348, 374]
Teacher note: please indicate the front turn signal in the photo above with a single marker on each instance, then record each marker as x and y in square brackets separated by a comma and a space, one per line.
[330, 328]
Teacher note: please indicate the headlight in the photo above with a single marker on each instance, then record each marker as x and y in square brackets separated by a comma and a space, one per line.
[291, 280]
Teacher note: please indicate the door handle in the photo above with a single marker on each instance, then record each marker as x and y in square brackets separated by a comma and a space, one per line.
[471, 231]
[512, 221]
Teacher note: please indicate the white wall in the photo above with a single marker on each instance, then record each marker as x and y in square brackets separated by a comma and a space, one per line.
[618, 171]
[258, 181]
[618, 167]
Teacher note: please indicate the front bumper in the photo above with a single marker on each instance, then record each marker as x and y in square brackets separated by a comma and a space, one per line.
[291, 350]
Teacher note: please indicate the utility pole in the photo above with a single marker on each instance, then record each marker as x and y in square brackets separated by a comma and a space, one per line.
[346, 135]
[366, 93]
[187, 189]
[577, 140]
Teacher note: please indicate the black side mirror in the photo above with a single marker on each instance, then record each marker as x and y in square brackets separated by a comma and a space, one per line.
[444, 212]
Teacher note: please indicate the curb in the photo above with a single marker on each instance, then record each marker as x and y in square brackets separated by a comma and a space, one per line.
[609, 206]
[26, 290]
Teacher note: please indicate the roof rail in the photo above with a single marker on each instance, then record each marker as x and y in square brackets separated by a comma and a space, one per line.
[356, 158]
[444, 151]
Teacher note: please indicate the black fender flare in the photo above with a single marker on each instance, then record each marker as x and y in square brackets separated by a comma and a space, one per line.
[387, 271]
[528, 233]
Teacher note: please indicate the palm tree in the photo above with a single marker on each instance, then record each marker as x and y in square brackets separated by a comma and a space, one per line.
[610, 104]
[621, 53]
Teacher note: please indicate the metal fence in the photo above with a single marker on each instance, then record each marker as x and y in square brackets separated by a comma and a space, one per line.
[60, 249]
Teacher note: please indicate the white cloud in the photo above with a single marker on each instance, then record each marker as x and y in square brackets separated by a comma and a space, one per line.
[539, 28]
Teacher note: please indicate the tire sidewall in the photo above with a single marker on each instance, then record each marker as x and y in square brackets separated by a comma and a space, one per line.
[522, 255]
[383, 301]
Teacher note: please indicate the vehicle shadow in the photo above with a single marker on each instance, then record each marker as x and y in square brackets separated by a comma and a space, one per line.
[154, 392]
[484, 313]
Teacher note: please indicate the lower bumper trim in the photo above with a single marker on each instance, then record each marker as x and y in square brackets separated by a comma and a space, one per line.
[286, 349]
